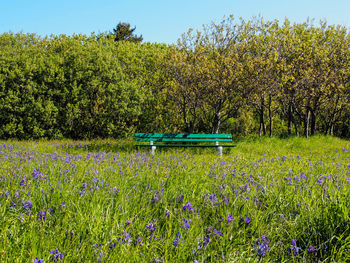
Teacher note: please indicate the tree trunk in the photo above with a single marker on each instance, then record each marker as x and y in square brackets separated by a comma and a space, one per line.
[290, 119]
[330, 121]
[262, 128]
[313, 122]
[306, 123]
[270, 116]
[332, 129]
[216, 124]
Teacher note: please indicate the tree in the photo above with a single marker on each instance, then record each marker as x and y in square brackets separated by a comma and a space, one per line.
[207, 70]
[123, 32]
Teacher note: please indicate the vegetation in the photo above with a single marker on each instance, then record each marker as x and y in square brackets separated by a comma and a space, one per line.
[239, 77]
[268, 200]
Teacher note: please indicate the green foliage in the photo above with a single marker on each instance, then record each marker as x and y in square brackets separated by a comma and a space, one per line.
[240, 77]
[123, 32]
[75, 87]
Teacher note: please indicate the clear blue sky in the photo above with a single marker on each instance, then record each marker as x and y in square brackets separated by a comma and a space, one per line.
[161, 21]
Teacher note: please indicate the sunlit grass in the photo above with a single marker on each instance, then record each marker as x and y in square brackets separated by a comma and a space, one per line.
[105, 200]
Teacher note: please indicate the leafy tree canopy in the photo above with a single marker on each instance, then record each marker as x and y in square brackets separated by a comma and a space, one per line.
[123, 32]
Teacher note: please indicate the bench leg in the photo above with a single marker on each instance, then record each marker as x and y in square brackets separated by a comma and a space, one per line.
[219, 151]
[153, 150]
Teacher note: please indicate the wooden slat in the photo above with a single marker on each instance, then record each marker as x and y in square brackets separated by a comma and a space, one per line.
[183, 145]
[182, 140]
[188, 136]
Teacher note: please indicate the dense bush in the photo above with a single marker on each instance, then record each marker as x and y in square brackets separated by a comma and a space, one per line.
[76, 87]
[242, 78]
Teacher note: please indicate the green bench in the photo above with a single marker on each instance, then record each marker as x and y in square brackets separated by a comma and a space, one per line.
[183, 140]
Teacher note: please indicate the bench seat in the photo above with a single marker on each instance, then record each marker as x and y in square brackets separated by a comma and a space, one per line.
[183, 140]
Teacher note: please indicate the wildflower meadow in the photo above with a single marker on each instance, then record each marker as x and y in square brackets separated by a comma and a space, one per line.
[267, 200]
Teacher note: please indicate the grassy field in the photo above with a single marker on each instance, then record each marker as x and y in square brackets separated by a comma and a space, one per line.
[267, 200]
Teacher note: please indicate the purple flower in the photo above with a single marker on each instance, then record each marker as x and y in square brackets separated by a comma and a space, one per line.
[126, 237]
[23, 183]
[205, 242]
[128, 222]
[324, 246]
[246, 219]
[41, 215]
[37, 174]
[312, 249]
[217, 232]
[288, 180]
[186, 223]
[62, 205]
[212, 198]
[230, 218]
[139, 240]
[28, 205]
[320, 180]
[151, 227]
[187, 207]
[56, 255]
[156, 197]
[37, 260]
[112, 245]
[262, 246]
[167, 214]
[295, 249]
[177, 239]
[97, 246]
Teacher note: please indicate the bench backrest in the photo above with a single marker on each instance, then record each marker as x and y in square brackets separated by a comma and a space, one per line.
[167, 137]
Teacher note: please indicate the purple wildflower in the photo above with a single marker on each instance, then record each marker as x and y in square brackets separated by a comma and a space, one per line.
[112, 245]
[139, 240]
[128, 222]
[288, 180]
[205, 242]
[230, 218]
[167, 214]
[37, 260]
[246, 219]
[97, 246]
[324, 246]
[312, 249]
[156, 197]
[56, 255]
[62, 205]
[186, 223]
[23, 181]
[187, 207]
[177, 239]
[295, 249]
[262, 246]
[151, 227]
[126, 237]
[37, 174]
[212, 198]
[302, 176]
[217, 232]
[28, 205]
[41, 215]
[320, 180]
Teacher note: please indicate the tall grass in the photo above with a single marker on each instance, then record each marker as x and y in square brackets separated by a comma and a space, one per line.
[268, 199]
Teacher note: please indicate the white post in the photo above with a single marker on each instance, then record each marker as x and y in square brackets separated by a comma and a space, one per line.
[218, 149]
[153, 148]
